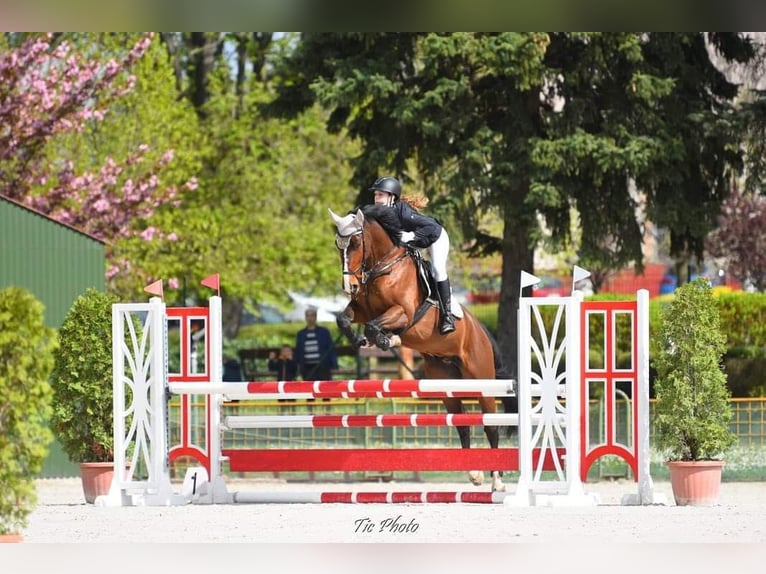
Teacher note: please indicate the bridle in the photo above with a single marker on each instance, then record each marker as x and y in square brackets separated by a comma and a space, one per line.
[364, 274]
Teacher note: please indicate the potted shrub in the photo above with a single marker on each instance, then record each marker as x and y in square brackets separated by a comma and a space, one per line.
[82, 390]
[692, 409]
[26, 347]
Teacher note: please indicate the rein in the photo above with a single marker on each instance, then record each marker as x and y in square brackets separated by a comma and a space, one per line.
[381, 268]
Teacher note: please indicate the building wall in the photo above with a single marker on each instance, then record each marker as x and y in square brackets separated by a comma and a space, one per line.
[55, 262]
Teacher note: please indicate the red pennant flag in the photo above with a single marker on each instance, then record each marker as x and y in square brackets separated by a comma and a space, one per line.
[155, 289]
[214, 282]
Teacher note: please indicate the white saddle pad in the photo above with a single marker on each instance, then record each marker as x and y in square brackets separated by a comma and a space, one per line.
[457, 308]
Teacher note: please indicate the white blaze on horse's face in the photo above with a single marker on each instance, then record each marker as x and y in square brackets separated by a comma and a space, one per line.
[348, 226]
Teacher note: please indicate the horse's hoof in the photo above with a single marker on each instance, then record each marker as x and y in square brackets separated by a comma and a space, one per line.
[497, 482]
[476, 477]
[383, 342]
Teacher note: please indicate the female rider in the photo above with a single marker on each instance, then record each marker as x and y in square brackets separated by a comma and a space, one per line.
[422, 232]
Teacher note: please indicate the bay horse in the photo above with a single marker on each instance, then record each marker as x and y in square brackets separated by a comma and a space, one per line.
[381, 276]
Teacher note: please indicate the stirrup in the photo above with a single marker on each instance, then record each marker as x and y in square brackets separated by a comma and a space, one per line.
[447, 326]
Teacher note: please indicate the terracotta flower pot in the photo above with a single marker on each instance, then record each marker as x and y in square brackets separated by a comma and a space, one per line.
[96, 479]
[696, 483]
[11, 538]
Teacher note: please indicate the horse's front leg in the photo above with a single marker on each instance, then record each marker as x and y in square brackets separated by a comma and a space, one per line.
[344, 321]
[380, 329]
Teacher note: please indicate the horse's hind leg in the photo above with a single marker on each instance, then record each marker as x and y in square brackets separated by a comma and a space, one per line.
[482, 366]
[438, 369]
[493, 437]
[455, 406]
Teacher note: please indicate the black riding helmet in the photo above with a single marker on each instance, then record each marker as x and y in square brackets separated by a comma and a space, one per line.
[389, 185]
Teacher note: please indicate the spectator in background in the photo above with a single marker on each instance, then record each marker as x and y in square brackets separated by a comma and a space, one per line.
[315, 350]
[232, 370]
[283, 366]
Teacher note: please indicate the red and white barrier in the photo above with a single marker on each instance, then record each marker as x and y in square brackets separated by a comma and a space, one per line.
[350, 389]
[412, 497]
[348, 421]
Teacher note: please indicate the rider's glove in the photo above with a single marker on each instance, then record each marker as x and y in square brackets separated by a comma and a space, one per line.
[407, 236]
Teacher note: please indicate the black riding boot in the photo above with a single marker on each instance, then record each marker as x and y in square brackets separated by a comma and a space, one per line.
[447, 323]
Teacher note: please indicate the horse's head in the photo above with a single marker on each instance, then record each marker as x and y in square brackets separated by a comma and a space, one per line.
[348, 240]
[368, 243]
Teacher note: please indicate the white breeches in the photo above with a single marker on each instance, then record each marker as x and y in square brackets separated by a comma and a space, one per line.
[438, 252]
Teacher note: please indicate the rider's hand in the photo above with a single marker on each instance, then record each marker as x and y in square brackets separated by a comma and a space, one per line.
[407, 236]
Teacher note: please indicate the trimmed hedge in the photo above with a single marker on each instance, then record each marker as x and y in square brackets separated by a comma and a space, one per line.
[83, 418]
[743, 318]
[743, 321]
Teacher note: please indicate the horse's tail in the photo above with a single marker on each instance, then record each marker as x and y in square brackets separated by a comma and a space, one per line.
[510, 404]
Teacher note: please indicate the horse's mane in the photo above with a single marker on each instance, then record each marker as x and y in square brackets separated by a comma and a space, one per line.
[386, 217]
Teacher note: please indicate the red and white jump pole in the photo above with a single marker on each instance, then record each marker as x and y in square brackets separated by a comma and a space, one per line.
[348, 421]
[412, 497]
[351, 389]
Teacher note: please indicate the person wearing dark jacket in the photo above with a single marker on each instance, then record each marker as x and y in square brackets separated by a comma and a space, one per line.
[315, 350]
[232, 370]
[422, 232]
[284, 367]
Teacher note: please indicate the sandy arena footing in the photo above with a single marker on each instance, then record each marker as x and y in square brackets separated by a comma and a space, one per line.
[63, 516]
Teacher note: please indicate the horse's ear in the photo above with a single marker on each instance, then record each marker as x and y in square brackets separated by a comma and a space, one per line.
[335, 217]
[359, 218]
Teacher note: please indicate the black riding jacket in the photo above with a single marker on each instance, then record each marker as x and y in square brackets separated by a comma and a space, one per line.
[426, 229]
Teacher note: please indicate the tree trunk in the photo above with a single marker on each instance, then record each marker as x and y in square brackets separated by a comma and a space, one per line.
[262, 41]
[518, 247]
[231, 312]
[205, 47]
[517, 256]
[242, 41]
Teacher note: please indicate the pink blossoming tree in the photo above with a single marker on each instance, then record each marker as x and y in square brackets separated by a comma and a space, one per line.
[49, 90]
